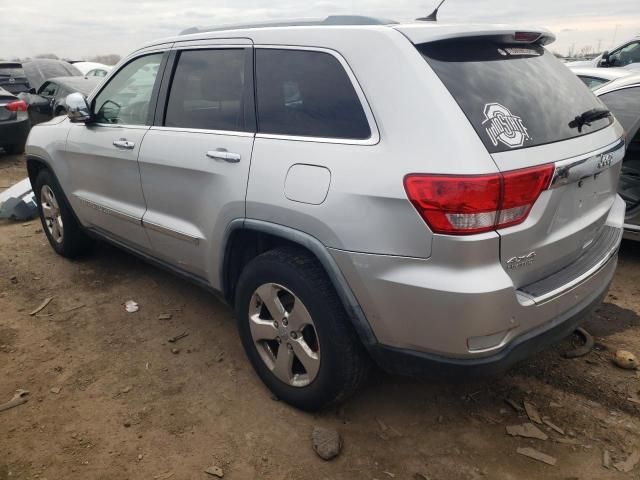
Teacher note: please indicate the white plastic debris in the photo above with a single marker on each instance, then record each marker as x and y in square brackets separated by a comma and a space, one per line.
[131, 306]
[18, 202]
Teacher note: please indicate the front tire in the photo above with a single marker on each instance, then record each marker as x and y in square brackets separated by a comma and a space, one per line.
[64, 233]
[296, 332]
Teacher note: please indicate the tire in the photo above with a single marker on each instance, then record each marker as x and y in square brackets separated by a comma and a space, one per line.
[69, 241]
[14, 149]
[295, 276]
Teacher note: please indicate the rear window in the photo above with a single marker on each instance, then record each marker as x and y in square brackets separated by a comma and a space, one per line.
[308, 94]
[515, 96]
[11, 70]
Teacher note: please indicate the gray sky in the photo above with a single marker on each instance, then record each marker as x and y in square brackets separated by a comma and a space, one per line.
[74, 28]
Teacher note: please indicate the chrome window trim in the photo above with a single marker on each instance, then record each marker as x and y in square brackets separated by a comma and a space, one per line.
[229, 133]
[170, 232]
[118, 125]
[577, 168]
[374, 139]
[613, 88]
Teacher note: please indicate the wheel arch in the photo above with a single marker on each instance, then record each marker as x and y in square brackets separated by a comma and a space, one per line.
[247, 238]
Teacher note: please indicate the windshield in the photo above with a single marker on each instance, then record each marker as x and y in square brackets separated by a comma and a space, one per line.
[515, 96]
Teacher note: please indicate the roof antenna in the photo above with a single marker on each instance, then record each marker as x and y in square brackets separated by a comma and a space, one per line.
[433, 16]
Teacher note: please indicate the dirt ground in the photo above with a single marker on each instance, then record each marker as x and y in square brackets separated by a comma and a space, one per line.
[129, 408]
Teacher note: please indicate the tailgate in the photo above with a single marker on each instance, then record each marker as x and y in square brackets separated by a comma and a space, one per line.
[568, 220]
[528, 110]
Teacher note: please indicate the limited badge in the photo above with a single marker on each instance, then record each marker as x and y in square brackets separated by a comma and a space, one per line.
[504, 127]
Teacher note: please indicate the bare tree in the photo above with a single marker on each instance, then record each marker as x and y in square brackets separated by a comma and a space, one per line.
[51, 56]
[110, 59]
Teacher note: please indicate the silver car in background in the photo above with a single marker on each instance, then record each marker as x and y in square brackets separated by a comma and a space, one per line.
[436, 198]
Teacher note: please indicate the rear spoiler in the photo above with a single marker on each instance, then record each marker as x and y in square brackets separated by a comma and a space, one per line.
[419, 33]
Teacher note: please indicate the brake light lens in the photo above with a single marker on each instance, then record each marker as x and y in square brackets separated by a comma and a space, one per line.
[468, 204]
[17, 106]
[528, 37]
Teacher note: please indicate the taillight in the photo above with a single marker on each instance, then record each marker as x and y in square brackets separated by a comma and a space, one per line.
[467, 204]
[17, 106]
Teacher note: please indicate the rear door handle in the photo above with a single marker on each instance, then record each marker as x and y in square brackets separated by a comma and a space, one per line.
[222, 154]
[124, 143]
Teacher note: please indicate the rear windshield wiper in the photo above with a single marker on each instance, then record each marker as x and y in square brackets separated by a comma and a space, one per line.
[589, 116]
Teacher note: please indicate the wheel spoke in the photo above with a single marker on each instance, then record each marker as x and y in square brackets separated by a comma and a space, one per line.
[269, 296]
[262, 329]
[58, 221]
[299, 317]
[283, 366]
[55, 229]
[47, 211]
[309, 359]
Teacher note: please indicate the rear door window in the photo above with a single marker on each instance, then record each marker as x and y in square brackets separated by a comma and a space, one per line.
[625, 105]
[515, 96]
[210, 90]
[307, 94]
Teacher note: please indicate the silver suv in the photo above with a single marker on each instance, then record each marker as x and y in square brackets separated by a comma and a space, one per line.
[437, 198]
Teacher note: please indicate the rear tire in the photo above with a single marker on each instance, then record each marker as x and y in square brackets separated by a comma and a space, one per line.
[327, 361]
[63, 231]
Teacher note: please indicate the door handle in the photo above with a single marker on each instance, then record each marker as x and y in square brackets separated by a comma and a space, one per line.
[222, 154]
[124, 143]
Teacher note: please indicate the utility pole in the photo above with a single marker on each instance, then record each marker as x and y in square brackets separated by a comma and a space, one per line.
[615, 33]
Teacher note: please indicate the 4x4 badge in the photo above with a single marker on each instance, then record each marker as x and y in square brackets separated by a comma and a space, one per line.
[502, 126]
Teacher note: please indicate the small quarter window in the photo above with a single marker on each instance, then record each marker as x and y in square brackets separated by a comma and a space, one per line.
[208, 90]
[308, 94]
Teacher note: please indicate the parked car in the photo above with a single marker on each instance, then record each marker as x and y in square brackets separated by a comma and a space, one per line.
[40, 70]
[447, 204]
[12, 77]
[626, 55]
[596, 77]
[50, 100]
[92, 69]
[14, 122]
[622, 97]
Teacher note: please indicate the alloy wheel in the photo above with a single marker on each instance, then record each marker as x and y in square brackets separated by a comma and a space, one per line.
[51, 213]
[284, 335]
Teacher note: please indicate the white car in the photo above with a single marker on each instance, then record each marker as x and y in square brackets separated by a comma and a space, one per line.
[625, 55]
[93, 69]
[595, 77]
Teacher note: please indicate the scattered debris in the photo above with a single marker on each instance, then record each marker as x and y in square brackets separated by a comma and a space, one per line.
[14, 279]
[56, 390]
[389, 474]
[126, 389]
[532, 412]
[513, 404]
[178, 337]
[175, 351]
[606, 459]
[629, 463]
[386, 431]
[165, 316]
[163, 476]
[420, 476]
[215, 471]
[536, 455]
[42, 306]
[552, 426]
[131, 306]
[582, 350]
[626, 360]
[19, 398]
[326, 442]
[527, 430]
[568, 441]
[18, 202]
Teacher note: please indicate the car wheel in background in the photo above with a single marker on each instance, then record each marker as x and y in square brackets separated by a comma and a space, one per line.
[58, 222]
[296, 332]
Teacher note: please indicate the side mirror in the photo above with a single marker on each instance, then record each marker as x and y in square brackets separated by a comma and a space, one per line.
[78, 109]
[604, 61]
[32, 91]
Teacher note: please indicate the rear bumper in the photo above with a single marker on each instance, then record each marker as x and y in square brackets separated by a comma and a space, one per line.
[413, 363]
[462, 311]
[14, 133]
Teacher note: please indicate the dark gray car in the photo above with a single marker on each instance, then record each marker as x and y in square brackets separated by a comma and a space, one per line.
[14, 122]
[622, 96]
[49, 101]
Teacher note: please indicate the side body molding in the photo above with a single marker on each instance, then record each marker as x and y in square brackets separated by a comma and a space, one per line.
[351, 305]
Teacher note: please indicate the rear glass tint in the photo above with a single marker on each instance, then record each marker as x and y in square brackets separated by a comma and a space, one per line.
[11, 70]
[515, 96]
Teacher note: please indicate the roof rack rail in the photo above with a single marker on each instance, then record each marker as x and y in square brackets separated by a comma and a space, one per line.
[330, 20]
